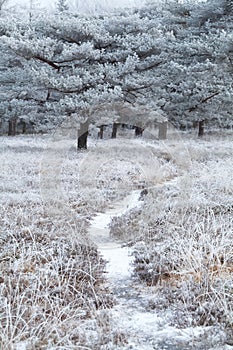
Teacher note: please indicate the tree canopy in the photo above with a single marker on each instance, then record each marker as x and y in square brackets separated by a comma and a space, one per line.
[173, 58]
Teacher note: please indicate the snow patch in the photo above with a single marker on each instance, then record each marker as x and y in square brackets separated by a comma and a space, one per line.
[99, 230]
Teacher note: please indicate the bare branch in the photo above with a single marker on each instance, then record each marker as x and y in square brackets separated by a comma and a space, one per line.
[191, 109]
[45, 60]
[153, 65]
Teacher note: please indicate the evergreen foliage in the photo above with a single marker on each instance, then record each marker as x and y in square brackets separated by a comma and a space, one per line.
[173, 58]
[62, 6]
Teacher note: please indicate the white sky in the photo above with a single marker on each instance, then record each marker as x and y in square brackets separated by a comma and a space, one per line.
[83, 5]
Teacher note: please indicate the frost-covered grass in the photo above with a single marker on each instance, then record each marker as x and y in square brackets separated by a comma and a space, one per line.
[51, 282]
[53, 293]
[182, 238]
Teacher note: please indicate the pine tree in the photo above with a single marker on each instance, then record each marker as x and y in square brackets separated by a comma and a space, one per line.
[229, 6]
[62, 6]
[2, 4]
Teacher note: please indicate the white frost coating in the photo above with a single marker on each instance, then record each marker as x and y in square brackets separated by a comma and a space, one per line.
[119, 263]
[119, 258]
[99, 231]
[129, 314]
[21, 346]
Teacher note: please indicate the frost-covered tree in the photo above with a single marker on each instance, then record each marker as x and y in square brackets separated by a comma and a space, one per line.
[2, 4]
[214, 56]
[84, 62]
[229, 6]
[173, 58]
[22, 104]
[62, 6]
[195, 78]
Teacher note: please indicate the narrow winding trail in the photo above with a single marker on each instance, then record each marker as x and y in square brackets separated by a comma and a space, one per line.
[143, 327]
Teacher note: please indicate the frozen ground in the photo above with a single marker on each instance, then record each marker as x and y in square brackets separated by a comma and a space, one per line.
[94, 200]
[142, 328]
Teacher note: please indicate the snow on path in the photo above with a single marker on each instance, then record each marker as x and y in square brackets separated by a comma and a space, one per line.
[99, 231]
[119, 259]
[145, 330]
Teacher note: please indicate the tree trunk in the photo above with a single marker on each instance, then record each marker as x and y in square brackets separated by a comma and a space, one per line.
[12, 127]
[201, 128]
[195, 124]
[82, 141]
[114, 130]
[101, 132]
[138, 131]
[24, 128]
[82, 135]
[163, 131]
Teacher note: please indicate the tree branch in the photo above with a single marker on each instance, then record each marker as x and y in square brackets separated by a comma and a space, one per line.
[156, 64]
[75, 91]
[45, 60]
[191, 109]
[210, 97]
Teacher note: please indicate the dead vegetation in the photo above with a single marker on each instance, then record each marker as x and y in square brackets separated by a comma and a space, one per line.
[182, 240]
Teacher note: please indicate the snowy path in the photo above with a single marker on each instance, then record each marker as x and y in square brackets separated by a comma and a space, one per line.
[144, 329]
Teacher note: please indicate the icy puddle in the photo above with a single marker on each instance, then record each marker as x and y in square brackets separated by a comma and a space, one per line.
[143, 329]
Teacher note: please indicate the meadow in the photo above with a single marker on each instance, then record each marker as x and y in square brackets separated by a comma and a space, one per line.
[54, 287]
